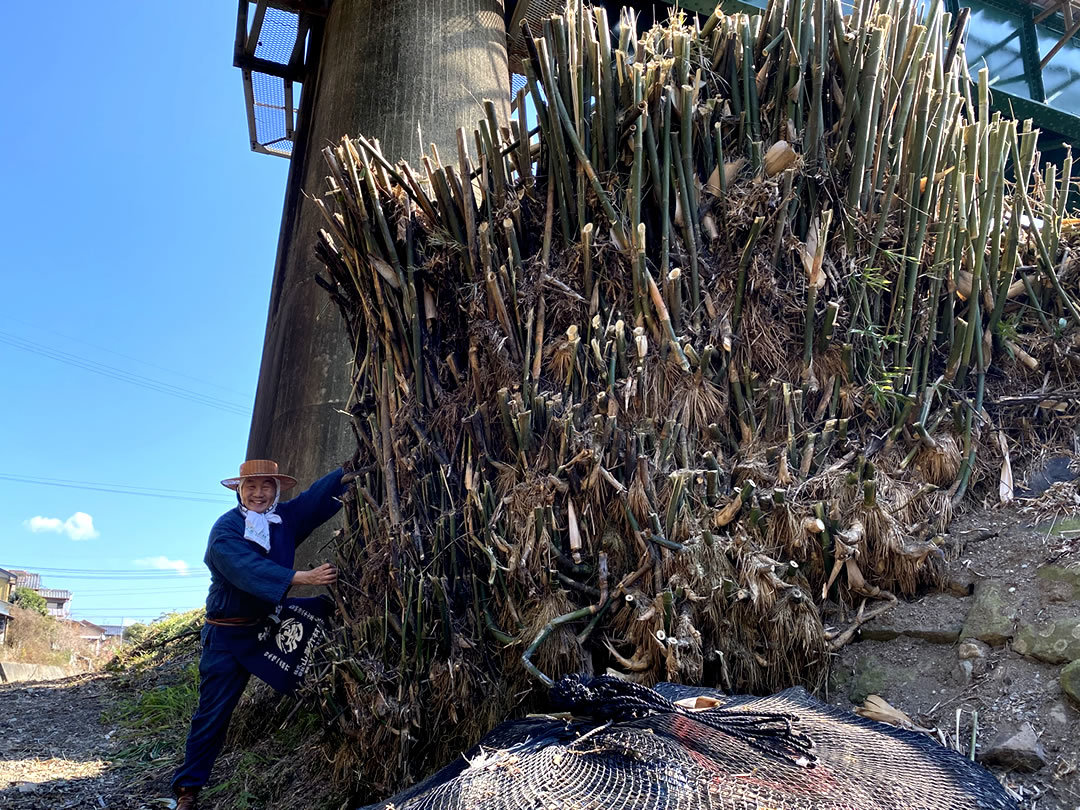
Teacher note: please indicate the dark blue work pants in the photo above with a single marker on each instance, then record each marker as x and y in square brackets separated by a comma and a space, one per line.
[222, 679]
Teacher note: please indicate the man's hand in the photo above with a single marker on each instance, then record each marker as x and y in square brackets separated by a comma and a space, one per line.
[325, 574]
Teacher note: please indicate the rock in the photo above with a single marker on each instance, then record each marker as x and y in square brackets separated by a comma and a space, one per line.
[1056, 642]
[1059, 713]
[964, 672]
[1016, 750]
[1059, 584]
[28, 787]
[992, 613]
[839, 680]
[935, 618]
[976, 654]
[971, 648]
[1070, 682]
[869, 679]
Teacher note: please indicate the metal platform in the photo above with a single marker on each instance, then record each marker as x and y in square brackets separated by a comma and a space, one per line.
[275, 50]
[1031, 48]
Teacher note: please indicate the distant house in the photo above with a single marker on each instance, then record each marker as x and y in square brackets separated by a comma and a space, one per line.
[7, 586]
[27, 579]
[89, 632]
[58, 602]
[113, 631]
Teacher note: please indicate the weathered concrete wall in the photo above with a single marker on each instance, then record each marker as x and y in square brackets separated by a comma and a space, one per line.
[389, 69]
[17, 672]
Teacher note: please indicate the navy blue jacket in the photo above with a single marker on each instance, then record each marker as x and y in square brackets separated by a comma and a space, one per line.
[245, 580]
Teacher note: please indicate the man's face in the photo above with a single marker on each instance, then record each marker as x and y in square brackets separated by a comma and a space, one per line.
[257, 494]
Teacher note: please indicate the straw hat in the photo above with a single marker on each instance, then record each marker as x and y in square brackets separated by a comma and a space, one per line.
[260, 468]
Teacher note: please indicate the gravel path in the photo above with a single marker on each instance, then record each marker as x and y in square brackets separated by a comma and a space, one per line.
[56, 752]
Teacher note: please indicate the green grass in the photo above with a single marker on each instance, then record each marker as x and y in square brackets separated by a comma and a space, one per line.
[249, 772]
[163, 707]
[156, 720]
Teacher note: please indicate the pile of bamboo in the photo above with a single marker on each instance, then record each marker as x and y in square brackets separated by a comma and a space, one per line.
[714, 344]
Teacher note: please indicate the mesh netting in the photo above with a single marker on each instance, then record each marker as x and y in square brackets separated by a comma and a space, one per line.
[270, 111]
[277, 37]
[671, 761]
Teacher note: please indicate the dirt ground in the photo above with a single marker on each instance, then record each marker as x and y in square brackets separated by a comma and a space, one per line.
[920, 671]
[56, 752]
[59, 749]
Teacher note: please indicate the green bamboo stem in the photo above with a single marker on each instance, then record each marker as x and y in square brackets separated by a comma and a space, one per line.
[689, 235]
[608, 101]
[665, 184]
[868, 93]
[744, 264]
[613, 218]
[686, 126]
[1044, 256]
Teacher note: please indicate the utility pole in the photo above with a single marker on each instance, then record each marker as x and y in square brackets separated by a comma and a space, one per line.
[395, 70]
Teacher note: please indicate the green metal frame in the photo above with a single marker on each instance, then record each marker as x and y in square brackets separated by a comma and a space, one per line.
[1044, 116]
[1029, 50]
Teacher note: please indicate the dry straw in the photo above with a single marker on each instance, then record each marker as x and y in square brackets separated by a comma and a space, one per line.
[724, 339]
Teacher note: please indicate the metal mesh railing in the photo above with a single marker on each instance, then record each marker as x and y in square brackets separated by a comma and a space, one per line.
[270, 53]
[277, 38]
[273, 118]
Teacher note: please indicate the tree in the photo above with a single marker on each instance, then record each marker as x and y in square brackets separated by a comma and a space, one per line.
[29, 599]
[134, 633]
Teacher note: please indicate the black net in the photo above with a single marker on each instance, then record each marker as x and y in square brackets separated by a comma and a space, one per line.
[672, 758]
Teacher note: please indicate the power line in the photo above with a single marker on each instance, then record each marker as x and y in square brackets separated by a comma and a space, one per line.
[115, 373]
[85, 570]
[116, 618]
[120, 578]
[115, 353]
[117, 575]
[151, 591]
[201, 586]
[140, 607]
[119, 489]
[148, 577]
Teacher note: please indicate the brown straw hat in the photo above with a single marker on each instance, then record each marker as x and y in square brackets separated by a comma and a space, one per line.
[260, 468]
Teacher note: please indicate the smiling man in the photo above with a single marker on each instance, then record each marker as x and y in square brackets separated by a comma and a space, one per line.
[250, 556]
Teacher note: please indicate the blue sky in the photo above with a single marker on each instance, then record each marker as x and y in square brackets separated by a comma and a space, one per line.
[138, 234]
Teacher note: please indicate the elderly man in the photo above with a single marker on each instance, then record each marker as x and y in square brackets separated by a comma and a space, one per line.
[250, 557]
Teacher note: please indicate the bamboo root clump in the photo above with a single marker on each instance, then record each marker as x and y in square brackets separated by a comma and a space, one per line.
[715, 343]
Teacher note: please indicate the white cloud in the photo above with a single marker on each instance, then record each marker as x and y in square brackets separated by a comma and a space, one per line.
[44, 524]
[164, 564]
[79, 526]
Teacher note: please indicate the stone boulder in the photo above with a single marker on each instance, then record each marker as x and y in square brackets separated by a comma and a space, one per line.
[992, 614]
[1017, 750]
[1058, 583]
[1055, 642]
[1070, 682]
[937, 618]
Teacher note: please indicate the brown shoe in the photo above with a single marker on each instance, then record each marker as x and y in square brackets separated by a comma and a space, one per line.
[187, 798]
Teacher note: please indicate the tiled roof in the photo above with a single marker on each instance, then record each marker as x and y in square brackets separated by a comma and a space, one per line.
[113, 630]
[6, 575]
[53, 593]
[26, 579]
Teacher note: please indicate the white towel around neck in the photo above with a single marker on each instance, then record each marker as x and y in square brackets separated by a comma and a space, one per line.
[257, 524]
